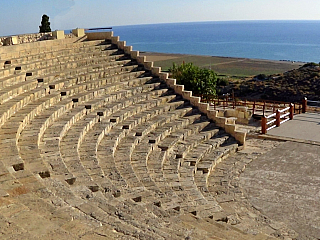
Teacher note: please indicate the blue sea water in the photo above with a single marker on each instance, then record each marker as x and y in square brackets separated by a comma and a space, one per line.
[273, 40]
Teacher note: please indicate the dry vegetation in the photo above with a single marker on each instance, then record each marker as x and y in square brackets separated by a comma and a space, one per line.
[290, 86]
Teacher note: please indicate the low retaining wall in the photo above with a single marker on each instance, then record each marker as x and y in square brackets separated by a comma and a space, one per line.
[227, 123]
[28, 38]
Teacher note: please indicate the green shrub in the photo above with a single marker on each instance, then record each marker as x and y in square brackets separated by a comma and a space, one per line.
[195, 79]
[222, 82]
[261, 76]
[310, 64]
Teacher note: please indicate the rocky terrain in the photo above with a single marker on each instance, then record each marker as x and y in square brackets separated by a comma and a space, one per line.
[289, 86]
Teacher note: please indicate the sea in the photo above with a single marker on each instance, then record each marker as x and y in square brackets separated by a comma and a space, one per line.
[272, 40]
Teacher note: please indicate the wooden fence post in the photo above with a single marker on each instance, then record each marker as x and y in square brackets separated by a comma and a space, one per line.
[304, 105]
[277, 118]
[291, 111]
[264, 125]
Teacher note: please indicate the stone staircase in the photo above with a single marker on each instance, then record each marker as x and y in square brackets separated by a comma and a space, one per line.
[96, 146]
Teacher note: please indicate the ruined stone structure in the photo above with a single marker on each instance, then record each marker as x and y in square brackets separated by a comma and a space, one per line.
[96, 143]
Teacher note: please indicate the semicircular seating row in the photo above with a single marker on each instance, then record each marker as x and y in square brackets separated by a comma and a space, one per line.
[94, 146]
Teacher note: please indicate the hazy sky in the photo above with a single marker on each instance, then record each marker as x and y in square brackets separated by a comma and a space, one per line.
[24, 16]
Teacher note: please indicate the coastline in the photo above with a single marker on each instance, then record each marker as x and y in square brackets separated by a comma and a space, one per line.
[229, 66]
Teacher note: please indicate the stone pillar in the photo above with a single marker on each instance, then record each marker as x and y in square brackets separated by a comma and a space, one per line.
[13, 40]
[58, 34]
[79, 32]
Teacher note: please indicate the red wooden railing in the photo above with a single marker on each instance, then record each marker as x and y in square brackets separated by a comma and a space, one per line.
[280, 111]
[279, 117]
[262, 106]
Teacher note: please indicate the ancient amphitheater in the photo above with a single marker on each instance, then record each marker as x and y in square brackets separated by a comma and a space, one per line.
[96, 143]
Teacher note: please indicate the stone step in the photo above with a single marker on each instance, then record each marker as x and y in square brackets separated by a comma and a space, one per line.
[103, 213]
[39, 53]
[104, 127]
[109, 143]
[184, 146]
[77, 134]
[43, 102]
[45, 61]
[34, 72]
[33, 87]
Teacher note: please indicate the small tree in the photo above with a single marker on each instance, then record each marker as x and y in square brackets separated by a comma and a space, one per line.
[45, 24]
[199, 81]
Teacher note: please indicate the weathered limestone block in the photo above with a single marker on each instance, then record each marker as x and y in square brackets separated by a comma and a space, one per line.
[141, 59]
[59, 34]
[156, 71]
[121, 44]
[148, 65]
[186, 94]
[134, 54]
[99, 35]
[127, 49]
[163, 76]
[115, 39]
[79, 32]
[242, 108]
[231, 120]
[195, 100]
[241, 115]
[212, 114]
[178, 89]
[230, 113]
[240, 136]
[13, 40]
[203, 107]
[221, 121]
[230, 128]
[171, 82]
[248, 115]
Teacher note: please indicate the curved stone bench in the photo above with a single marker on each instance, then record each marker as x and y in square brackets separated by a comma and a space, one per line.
[23, 64]
[106, 156]
[16, 55]
[30, 110]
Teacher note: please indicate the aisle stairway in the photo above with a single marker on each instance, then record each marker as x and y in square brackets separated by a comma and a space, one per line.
[94, 146]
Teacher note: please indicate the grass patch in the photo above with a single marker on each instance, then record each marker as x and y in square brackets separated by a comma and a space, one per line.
[236, 67]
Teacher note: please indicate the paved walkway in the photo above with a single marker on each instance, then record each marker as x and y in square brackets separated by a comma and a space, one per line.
[304, 126]
[284, 184]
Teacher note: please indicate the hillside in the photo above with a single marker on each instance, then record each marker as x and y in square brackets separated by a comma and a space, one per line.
[290, 86]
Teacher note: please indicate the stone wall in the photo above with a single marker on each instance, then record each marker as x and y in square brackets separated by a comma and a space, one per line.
[28, 38]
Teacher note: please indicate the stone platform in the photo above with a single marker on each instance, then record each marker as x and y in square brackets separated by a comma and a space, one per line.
[304, 126]
[284, 184]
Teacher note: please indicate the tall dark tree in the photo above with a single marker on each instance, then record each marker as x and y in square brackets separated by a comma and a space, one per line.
[45, 24]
